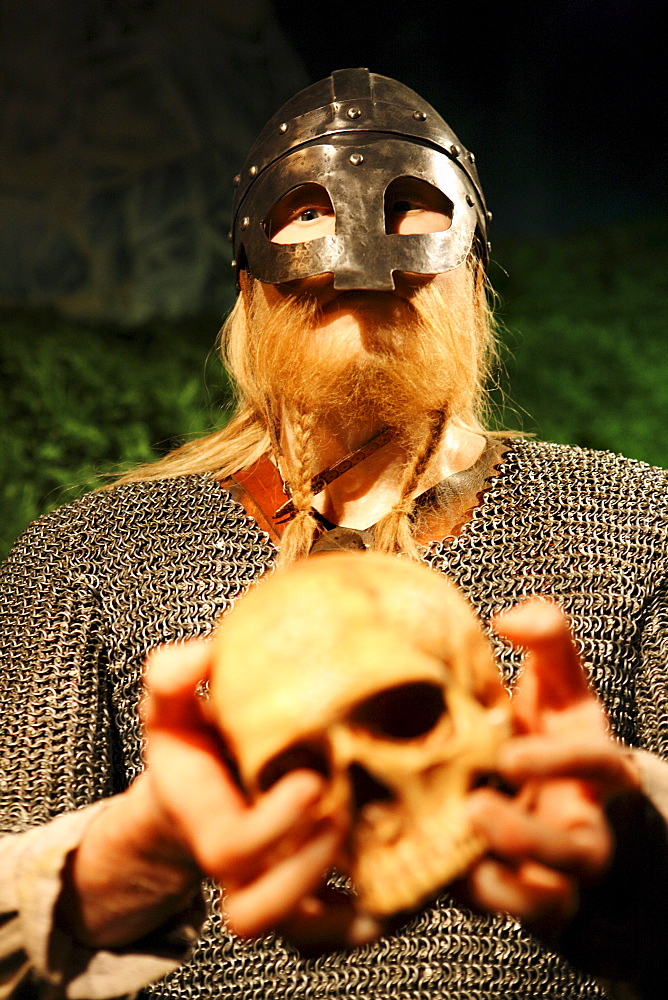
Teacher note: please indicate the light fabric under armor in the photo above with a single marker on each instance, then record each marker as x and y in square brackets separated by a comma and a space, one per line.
[91, 588]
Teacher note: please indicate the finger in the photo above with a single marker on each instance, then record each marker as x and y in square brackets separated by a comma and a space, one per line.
[542, 757]
[542, 628]
[269, 899]
[172, 675]
[184, 750]
[264, 834]
[187, 768]
[534, 894]
[186, 764]
[221, 830]
[583, 848]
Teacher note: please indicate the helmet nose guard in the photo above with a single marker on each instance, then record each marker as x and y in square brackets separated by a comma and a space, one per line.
[354, 133]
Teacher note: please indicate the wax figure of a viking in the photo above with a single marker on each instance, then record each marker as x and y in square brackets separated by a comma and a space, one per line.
[359, 344]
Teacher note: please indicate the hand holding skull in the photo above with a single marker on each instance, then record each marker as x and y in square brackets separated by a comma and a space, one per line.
[553, 837]
[186, 816]
[143, 857]
[376, 675]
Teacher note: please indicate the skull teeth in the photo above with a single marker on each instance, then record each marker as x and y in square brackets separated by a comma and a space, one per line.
[401, 876]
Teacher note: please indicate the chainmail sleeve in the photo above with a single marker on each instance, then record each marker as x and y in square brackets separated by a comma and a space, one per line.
[57, 732]
[653, 680]
[56, 739]
[622, 923]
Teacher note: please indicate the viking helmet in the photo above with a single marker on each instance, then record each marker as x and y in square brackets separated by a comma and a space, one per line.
[354, 134]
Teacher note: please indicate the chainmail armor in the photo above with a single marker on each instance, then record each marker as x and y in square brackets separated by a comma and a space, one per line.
[91, 588]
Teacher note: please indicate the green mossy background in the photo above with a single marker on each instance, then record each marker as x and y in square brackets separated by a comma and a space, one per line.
[583, 362]
[586, 344]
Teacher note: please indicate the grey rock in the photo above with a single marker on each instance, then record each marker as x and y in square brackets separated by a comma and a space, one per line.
[121, 127]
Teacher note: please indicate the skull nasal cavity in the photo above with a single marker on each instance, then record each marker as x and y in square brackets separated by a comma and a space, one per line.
[404, 712]
[365, 788]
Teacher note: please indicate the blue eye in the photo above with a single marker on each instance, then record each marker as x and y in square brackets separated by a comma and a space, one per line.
[310, 214]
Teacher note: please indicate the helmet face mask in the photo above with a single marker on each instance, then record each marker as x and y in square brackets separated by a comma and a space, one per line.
[356, 150]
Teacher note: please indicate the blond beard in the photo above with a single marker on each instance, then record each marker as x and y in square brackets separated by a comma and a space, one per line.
[421, 358]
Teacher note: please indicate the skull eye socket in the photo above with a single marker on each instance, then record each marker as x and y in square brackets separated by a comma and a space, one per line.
[297, 757]
[405, 712]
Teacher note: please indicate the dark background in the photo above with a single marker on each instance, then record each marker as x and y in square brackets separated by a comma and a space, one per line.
[563, 102]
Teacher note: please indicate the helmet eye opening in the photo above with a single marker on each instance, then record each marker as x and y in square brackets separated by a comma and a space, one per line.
[413, 205]
[302, 214]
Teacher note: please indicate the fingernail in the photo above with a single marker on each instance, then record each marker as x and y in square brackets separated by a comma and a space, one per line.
[505, 758]
[510, 758]
[363, 930]
[474, 809]
[325, 845]
[306, 784]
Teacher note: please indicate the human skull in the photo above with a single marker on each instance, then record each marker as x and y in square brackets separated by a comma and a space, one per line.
[374, 672]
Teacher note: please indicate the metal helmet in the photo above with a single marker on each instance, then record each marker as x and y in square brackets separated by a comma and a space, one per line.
[354, 133]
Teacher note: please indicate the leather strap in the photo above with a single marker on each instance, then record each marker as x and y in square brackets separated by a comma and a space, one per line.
[259, 489]
[444, 508]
